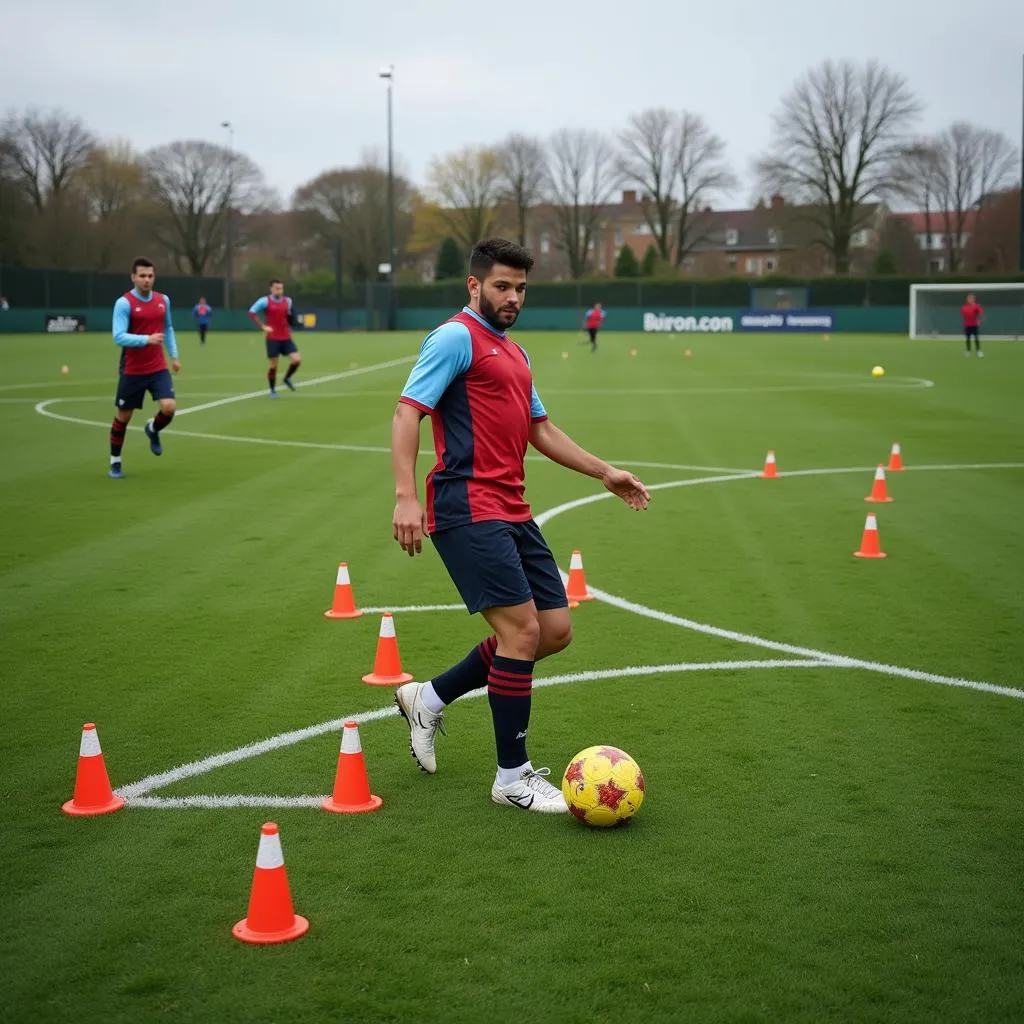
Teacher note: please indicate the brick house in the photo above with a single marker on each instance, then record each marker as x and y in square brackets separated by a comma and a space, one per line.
[935, 235]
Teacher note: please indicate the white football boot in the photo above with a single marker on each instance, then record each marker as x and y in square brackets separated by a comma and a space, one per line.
[423, 725]
[531, 792]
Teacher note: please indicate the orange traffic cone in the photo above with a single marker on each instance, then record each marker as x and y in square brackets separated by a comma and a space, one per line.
[93, 794]
[879, 493]
[387, 666]
[271, 916]
[577, 591]
[770, 471]
[869, 546]
[895, 459]
[351, 786]
[344, 606]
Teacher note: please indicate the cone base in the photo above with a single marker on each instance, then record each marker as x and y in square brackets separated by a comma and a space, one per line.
[878, 501]
[375, 680]
[577, 598]
[335, 808]
[769, 476]
[862, 554]
[114, 804]
[895, 469]
[573, 603]
[330, 614]
[243, 932]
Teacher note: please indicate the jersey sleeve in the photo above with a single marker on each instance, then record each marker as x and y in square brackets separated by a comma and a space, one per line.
[259, 306]
[169, 339]
[537, 411]
[119, 326]
[444, 355]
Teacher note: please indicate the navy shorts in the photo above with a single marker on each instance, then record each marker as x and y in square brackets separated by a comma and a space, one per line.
[132, 388]
[497, 564]
[971, 332]
[281, 348]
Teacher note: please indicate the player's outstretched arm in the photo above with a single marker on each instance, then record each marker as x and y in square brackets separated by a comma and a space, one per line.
[410, 522]
[549, 440]
[119, 328]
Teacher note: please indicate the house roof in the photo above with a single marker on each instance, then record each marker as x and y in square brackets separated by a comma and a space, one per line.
[935, 221]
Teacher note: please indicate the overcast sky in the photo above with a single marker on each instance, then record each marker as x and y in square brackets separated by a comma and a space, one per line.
[299, 80]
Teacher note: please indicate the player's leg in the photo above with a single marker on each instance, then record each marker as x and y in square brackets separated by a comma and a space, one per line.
[295, 361]
[272, 353]
[593, 339]
[967, 340]
[977, 342]
[547, 589]
[161, 387]
[202, 334]
[131, 393]
[467, 553]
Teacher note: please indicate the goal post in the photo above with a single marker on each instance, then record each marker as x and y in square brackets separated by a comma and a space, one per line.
[935, 310]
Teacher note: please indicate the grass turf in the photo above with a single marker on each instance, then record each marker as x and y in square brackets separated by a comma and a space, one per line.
[817, 843]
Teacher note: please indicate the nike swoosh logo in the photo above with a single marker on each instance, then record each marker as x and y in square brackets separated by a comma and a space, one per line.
[526, 802]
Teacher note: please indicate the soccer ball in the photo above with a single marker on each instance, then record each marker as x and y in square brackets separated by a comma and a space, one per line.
[878, 371]
[603, 786]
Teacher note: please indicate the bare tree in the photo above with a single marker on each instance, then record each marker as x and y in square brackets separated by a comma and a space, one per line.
[193, 184]
[350, 205]
[648, 156]
[701, 174]
[972, 164]
[582, 174]
[838, 136]
[521, 177]
[466, 186]
[916, 178]
[111, 186]
[46, 152]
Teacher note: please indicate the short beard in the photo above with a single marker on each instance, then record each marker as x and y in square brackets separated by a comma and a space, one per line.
[490, 314]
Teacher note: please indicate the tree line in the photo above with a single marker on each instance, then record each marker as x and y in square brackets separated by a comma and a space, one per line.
[843, 138]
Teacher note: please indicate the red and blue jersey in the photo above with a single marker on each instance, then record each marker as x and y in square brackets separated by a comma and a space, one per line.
[595, 318]
[276, 312]
[135, 319]
[971, 313]
[203, 314]
[476, 385]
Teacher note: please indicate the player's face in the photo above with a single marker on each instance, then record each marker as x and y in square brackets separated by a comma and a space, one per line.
[970, 298]
[277, 289]
[143, 278]
[500, 295]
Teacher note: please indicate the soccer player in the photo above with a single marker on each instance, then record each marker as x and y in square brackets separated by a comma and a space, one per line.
[277, 309]
[593, 323]
[203, 315]
[476, 385]
[142, 327]
[971, 314]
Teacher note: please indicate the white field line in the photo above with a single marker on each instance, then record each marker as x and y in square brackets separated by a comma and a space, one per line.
[414, 608]
[306, 384]
[137, 792]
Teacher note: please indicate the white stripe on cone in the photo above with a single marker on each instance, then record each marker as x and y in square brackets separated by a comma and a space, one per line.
[90, 746]
[343, 579]
[576, 562]
[387, 626]
[350, 742]
[880, 473]
[770, 457]
[871, 523]
[895, 449]
[270, 854]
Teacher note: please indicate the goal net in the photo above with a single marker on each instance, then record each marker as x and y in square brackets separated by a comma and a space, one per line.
[935, 310]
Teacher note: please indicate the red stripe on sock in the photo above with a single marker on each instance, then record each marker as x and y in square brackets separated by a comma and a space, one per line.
[512, 678]
[502, 692]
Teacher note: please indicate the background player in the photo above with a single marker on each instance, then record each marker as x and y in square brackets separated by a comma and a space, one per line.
[971, 313]
[277, 309]
[203, 315]
[142, 327]
[477, 387]
[593, 323]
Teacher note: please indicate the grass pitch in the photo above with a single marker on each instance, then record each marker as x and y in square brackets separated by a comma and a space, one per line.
[818, 843]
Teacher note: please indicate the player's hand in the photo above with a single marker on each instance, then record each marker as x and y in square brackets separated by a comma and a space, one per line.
[628, 487]
[265, 328]
[409, 525]
[175, 365]
[155, 339]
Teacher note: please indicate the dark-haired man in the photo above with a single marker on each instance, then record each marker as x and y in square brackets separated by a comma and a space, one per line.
[142, 327]
[276, 308]
[476, 385]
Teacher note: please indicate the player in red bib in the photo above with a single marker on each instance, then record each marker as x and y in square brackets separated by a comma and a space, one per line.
[593, 323]
[142, 327]
[971, 314]
[276, 308]
[476, 385]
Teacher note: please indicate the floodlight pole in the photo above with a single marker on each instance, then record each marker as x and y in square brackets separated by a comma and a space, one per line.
[229, 255]
[1021, 239]
[388, 74]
